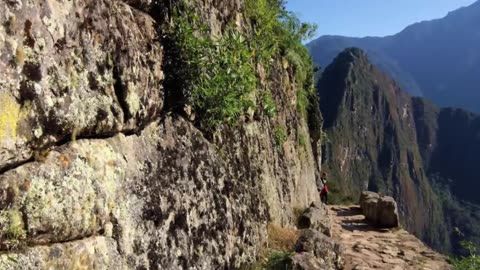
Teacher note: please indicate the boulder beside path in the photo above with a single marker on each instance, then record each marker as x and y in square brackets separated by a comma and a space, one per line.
[379, 210]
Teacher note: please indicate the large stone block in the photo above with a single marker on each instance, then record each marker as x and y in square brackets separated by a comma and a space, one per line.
[387, 214]
[367, 195]
[379, 210]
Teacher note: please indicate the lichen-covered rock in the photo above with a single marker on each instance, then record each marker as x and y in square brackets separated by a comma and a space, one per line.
[71, 197]
[307, 261]
[316, 217]
[322, 247]
[164, 199]
[70, 69]
[92, 253]
[95, 173]
[156, 196]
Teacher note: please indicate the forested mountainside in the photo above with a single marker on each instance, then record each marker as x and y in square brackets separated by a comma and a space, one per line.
[379, 138]
[151, 134]
[437, 59]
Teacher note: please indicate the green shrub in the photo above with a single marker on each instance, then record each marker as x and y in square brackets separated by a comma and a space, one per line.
[338, 195]
[279, 250]
[264, 16]
[280, 136]
[268, 104]
[225, 85]
[302, 140]
[470, 262]
[279, 32]
[218, 76]
[315, 120]
[324, 137]
[279, 260]
[302, 102]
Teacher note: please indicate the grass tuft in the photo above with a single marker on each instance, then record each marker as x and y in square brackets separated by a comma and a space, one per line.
[282, 239]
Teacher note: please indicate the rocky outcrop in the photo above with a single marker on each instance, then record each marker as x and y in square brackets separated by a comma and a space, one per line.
[370, 125]
[325, 249]
[380, 210]
[316, 217]
[134, 196]
[382, 140]
[449, 145]
[96, 173]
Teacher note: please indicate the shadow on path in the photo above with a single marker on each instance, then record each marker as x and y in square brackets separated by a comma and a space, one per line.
[361, 226]
[353, 220]
[352, 211]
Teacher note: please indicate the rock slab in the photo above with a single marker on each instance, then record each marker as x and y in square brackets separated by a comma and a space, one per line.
[316, 217]
[306, 261]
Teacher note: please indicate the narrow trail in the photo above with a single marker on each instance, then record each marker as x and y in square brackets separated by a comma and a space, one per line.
[367, 247]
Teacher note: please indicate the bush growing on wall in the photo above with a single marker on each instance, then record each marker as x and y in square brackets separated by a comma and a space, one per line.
[217, 76]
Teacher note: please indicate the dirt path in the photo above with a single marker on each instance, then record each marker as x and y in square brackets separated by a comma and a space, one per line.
[367, 247]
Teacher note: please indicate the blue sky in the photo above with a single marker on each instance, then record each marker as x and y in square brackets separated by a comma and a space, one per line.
[360, 18]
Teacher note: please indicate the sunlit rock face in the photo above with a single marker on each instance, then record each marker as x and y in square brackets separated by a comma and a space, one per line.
[95, 173]
[75, 68]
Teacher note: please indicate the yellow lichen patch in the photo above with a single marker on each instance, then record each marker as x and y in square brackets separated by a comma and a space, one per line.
[12, 225]
[10, 115]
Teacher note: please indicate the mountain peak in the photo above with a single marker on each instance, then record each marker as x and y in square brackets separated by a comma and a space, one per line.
[436, 59]
[350, 74]
[351, 55]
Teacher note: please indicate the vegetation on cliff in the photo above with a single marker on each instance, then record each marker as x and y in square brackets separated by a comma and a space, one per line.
[220, 75]
[471, 261]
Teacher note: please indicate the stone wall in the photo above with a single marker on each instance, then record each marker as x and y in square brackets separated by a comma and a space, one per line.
[96, 174]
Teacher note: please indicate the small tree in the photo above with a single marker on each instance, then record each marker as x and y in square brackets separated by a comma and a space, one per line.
[471, 262]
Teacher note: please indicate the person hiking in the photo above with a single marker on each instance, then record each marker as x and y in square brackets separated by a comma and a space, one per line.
[324, 190]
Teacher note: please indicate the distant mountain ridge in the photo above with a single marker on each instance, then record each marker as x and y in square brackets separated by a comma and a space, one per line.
[383, 140]
[438, 59]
